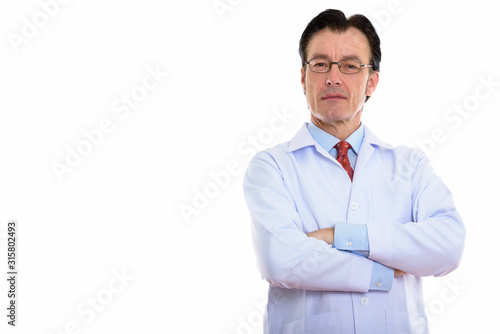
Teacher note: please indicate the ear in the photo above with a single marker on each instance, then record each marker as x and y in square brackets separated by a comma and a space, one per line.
[303, 78]
[372, 83]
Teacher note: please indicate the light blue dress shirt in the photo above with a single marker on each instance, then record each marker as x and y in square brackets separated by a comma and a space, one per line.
[327, 141]
[410, 220]
[354, 235]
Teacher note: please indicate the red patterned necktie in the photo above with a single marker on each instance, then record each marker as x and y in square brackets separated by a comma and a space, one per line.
[342, 148]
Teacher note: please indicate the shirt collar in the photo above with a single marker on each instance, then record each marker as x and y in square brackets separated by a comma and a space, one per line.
[327, 141]
[303, 138]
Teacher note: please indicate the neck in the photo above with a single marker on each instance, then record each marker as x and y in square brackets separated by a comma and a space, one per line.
[340, 129]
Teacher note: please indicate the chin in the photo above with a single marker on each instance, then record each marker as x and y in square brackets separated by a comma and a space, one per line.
[335, 116]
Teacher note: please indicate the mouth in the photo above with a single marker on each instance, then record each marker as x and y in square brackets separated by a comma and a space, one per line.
[333, 97]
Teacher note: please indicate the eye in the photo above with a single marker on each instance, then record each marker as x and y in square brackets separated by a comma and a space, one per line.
[320, 64]
[350, 66]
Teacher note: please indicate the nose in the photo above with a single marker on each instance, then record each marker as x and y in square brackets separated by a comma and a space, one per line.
[334, 76]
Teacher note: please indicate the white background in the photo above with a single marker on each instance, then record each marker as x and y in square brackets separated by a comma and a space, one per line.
[118, 210]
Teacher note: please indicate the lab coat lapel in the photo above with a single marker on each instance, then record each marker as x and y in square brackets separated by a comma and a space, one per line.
[303, 138]
[367, 149]
[365, 153]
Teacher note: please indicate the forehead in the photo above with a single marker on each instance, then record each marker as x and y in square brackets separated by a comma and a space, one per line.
[338, 45]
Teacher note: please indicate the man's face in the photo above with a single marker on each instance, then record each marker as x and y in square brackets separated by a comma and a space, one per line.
[334, 96]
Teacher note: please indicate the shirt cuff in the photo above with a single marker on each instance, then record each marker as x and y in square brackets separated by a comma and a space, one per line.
[351, 237]
[382, 277]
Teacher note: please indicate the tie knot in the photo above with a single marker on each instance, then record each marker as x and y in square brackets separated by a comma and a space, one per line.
[342, 147]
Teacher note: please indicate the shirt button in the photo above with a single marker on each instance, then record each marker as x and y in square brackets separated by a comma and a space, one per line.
[365, 301]
[349, 244]
[354, 205]
[378, 284]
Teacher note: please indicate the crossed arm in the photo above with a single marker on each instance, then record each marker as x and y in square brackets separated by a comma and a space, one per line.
[429, 244]
[328, 236]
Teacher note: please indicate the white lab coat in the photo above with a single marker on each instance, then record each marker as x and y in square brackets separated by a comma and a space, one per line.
[297, 187]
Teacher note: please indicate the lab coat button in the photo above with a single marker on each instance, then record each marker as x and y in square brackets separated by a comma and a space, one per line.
[354, 205]
[365, 301]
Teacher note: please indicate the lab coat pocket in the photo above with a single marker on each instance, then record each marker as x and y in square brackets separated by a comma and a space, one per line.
[400, 322]
[315, 324]
[392, 202]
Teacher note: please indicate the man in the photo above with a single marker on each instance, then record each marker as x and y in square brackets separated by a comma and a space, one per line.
[344, 225]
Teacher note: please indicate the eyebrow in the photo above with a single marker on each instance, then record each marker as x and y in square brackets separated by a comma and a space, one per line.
[322, 55]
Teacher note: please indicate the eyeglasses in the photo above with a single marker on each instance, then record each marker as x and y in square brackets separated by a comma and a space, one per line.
[347, 66]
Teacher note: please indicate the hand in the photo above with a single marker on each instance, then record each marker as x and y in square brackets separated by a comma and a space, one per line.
[325, 234]
[398, 273]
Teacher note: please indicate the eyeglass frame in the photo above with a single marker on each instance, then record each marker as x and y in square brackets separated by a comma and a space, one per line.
[338, 64]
